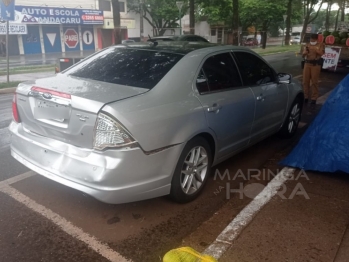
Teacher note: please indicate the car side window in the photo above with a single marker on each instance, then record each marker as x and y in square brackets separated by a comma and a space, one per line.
[220, 73]
[254, 71]
[202, 83]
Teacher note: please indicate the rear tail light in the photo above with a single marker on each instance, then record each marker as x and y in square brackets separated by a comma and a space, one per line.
[15, 109]
[111, 134]
[52, 92]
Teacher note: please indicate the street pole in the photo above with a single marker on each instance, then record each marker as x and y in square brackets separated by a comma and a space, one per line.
[7, 56]
[141, 20]
[180, 5]
[283, 33]
[180, 22]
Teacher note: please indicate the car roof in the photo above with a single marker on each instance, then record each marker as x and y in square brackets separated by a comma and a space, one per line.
[173, 36]
[183, 48]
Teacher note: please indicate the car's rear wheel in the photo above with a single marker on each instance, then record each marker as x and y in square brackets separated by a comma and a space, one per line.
[192, 171]
[291, 123]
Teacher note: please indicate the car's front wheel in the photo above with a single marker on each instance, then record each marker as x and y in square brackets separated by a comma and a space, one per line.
[291, 122]
[192, 170]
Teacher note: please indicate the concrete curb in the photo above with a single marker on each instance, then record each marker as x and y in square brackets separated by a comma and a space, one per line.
[7, 90]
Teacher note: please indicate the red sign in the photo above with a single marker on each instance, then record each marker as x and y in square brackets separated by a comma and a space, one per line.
[71, 38]
[92, 18]
[330, 40]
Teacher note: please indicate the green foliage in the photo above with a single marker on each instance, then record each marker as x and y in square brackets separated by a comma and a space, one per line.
[343, 41]
[322, 17]
[337, 40]
[262, 13]
[215, 11]
[160, 14]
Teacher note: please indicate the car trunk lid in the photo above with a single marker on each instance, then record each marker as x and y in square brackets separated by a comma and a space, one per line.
[65, 108]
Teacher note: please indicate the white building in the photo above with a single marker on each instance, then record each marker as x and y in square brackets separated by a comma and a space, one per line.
[62, 26]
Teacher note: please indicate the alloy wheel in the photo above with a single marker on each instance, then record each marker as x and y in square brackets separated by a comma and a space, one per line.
[194, 170]
[294, 118]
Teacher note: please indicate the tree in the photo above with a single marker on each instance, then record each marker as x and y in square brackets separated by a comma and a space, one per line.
[215, 11]
[288, 21]
[328, 12]
[236, 22]
[342, 4]
[192, 16]
[117, 22]
[160, 14]
[262, 14]
[322, 17]
[310, 14]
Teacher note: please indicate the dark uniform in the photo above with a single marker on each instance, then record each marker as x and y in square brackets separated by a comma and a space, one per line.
[313, 52]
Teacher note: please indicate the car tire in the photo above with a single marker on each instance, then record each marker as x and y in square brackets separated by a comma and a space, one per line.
[192, 171]
[292, 120]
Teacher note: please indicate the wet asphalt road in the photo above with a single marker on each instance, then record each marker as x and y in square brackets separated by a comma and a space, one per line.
[141, 231]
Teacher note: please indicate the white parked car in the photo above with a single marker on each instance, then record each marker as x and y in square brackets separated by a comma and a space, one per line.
[295, 40]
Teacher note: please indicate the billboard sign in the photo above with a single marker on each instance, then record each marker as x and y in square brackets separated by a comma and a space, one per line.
[15, 29]
[331, 58]
[7, 10]
[51, 15]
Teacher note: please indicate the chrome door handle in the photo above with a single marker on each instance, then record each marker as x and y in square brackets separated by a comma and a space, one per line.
[260, 98]
[214, 109]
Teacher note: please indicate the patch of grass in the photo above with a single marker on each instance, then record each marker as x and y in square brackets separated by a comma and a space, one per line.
[10, 84]
[29, 67]
[16, 71]
[277, 49]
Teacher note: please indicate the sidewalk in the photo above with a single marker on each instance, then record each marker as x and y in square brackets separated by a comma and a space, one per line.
[299, 229]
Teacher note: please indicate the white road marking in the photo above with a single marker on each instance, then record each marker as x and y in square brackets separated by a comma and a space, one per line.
[99, 247]
[225, 240]
[299, 76]
[16, 179]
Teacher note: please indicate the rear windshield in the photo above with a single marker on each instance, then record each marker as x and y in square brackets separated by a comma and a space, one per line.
[123, 66]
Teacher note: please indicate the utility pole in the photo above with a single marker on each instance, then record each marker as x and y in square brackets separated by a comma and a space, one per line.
[141, 25]
[7, 55]
[283, 33]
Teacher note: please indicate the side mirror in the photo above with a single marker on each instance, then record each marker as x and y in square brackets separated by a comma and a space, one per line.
[284, 78]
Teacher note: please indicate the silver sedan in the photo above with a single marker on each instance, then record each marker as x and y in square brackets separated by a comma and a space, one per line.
[145, 120]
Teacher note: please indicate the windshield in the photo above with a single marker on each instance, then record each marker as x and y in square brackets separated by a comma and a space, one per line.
[124, 66]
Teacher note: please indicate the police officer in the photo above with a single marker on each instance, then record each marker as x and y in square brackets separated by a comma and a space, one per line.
[312, 53]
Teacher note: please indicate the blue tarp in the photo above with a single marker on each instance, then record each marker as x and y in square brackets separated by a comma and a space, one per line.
[325, 145]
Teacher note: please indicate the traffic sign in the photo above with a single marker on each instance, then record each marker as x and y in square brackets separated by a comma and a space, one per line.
[87, 37]
[71, 38]
[52, 38]
[7, 10]
[309, 29]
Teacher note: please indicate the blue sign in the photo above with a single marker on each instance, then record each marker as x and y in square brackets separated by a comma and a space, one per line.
[88, 42]
[52, 39]
[31, 41]
[8, 10]
[51, 15]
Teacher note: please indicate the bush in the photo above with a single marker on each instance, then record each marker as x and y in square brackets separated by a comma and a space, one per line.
[343, 41]
[337, 40]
